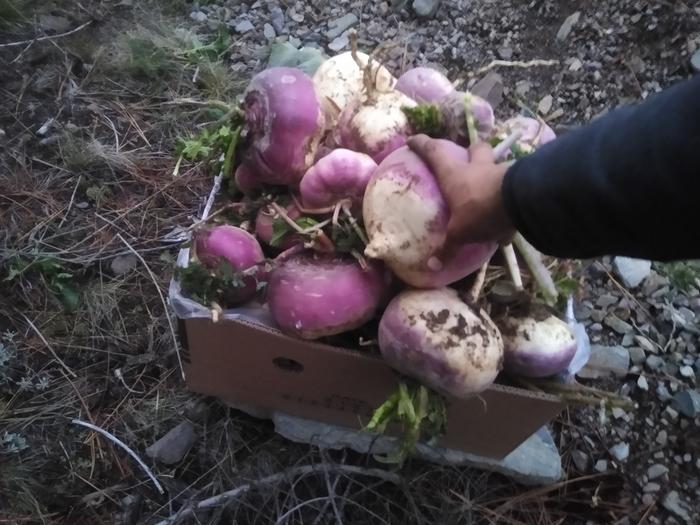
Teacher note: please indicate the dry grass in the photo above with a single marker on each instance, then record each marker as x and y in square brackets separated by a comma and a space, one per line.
[104, 170]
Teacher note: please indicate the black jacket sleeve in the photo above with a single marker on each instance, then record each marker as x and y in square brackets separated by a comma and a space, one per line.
[626, 184]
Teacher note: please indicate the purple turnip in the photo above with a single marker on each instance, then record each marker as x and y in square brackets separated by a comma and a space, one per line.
[434, 337]
[406, 216]
[424, 85]
[461, 110]
[240, 250]
[537, 347]
[533, 132]
[285, 123]
[342, 174]
[312, 297]
[264, 225]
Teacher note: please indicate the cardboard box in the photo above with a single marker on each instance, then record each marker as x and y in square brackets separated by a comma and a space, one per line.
[247, 363]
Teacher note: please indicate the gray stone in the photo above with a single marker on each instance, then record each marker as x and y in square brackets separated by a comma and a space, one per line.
[620, 451]
[656, 471]
[647, 345]
[651, 487]
[607, 300]
[506, 53]
[545, 104]
[617, 324]
[687, 402]
[601, 465]
[581, 460]
[269, 31]
[605, 361]
[687, 371]
[567, 26]
[662, 392]
[654, 362]
[244, 26]
[627, 340]
[123, 264]
[535, 462]
[672, 503]
[695, 62]
[637, 355]
[648, 500]
[277, 19]
[174, 445]
[338, 26]
[598, 315]
[490, 88]
[56, 24]
[642, 383]
[425, 7]
[198, 16]
[339, 43]
[671, 412]
[632, 272]
[662, 438]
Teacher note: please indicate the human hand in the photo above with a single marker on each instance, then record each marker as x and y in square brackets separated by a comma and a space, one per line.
[472, 191]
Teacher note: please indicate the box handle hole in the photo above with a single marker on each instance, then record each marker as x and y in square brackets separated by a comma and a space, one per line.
[288, 365]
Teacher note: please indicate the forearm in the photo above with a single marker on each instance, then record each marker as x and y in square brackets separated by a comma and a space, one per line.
[626, 184]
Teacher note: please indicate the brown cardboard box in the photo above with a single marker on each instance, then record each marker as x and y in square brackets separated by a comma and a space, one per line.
[252, 365]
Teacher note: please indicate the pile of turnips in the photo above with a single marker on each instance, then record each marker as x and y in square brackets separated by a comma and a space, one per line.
[339, 220]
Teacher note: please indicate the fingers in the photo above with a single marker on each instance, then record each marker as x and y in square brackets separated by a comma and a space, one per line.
[427, 149]
[481, 152]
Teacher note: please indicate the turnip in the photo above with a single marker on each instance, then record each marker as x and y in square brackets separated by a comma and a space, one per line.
[312, 297]
[406, 216]
[437, 339]
[246, 181]
[342, 174]
[461, 111]
[537, 346]
[284, 121]
[240, 251]
[375, 124]
[265, 230]
[533, 132]
[340, 79]
[424, 85]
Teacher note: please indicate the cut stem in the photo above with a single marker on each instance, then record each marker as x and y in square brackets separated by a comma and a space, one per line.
[539, 271]
[512, 265]
[354, 225]
[478, 284]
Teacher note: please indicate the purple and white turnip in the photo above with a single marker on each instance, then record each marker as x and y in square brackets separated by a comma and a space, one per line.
[424, 85]
[436, 338]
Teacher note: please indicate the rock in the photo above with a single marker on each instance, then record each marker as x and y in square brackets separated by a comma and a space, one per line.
[642, 383]
[662, 392]
[425, 7]
[55, 24]
[651, 487]
[687, 371]
[122, 264]
[601, 465]
[535, 462]
[695, 62]
[339, 43]
[338, 26]
[506, 53]
[662, 438]
[620, 451]
[269, 31]
[581, 460]
[672, 413]
[198, 16]
[545, 104]
[244, 26]
[632, 272]
[617, 324]
[656, 471]
[598, 315]
[605, 361]
[131, 509]
[174, 445]
[687, 402]
[648, 500]
[654, 362]
[637, 355]
[619, 413]
[277, 18]
[567, 26]
[607, 300]
[627, 340]
[647, 345]
[672, 503]
[490, 88]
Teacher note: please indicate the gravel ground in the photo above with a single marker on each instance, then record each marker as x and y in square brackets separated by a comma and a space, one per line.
[632, 466]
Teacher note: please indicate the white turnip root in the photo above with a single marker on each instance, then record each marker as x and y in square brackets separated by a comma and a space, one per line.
[340, 79]
[434, 337]
[284, 121]
[341, 174]
[424, 85]
[533, 132]
[537, 347]
[406, 216]
[375, 124]
[240, 250]
[312, 297]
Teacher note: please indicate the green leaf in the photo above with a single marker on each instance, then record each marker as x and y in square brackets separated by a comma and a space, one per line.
[427, 119]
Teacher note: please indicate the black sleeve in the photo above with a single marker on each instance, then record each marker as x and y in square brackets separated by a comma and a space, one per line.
[626, 184]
